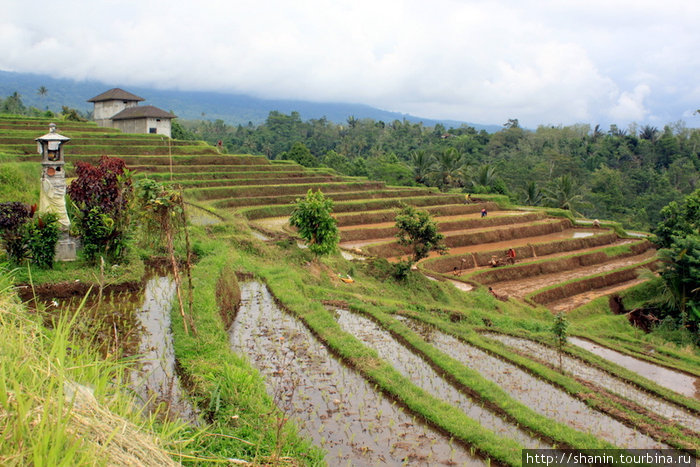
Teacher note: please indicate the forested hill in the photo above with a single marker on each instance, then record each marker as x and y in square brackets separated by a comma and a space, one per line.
[626, 175]
[231, 108]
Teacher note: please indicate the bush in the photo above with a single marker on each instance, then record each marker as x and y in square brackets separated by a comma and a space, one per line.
[41, 236]
[27, 237]
[312, 216]
[13, 216]
[102, 195]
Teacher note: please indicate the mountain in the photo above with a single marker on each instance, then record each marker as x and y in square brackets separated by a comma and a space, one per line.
[191, 105]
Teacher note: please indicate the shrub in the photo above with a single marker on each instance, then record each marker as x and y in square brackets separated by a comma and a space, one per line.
[102, 194]
[27, 237]
[41, 237]
[312, 216]
[13, 216]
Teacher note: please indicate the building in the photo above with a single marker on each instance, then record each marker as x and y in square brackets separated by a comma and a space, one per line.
[117, 108]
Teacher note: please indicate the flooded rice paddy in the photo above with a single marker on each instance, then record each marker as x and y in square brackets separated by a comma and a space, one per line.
[156, 380]
[535, 393]
[331, 403]
[600, 378]
[423, 376]
[674, 380]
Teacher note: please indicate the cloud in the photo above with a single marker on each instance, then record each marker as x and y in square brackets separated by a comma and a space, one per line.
[541, 62]
[630, 105]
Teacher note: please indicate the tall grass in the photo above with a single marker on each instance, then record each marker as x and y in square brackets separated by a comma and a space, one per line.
[61, 404]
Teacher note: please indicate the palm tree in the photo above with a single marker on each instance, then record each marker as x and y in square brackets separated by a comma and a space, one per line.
[533, 195]
[562, 193]
[42, 91]
[423, 165]
[649, 132]
[448, 167]
[484, 179]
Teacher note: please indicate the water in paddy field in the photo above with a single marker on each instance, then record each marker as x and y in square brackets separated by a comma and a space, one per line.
[332, 404]
[596, 376]
[422, 375]
[677, 381]
[533, 392]
[157, 381]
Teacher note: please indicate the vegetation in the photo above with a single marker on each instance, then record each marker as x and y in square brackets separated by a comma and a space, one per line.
[312, 217]
[624, 175]
[101, 195]
[417, 230]
[242, 420]
[678, 291]
[26, 236]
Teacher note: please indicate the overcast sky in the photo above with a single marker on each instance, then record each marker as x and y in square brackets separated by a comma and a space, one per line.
[543, 62]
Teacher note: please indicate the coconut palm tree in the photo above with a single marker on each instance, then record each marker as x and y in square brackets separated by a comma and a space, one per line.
[532, 194]
[484, 179]
[562, 193]
[423, 165]
[448, 167]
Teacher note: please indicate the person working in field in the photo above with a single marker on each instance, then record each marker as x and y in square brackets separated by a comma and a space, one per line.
[511, 253]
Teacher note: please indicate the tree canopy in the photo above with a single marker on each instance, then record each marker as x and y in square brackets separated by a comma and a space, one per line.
[312, 217]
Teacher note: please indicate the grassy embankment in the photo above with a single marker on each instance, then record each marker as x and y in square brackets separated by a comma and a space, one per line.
[62, 404]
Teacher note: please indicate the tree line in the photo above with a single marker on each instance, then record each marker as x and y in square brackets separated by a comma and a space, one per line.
[626, 175]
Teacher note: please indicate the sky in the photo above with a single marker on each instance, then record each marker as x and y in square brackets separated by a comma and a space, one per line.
[557, 62]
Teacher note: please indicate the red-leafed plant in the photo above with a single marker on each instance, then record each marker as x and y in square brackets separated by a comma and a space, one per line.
[102, 194]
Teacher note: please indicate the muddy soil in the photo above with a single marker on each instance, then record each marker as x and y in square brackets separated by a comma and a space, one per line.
[535, 393]
[600, 378]
[423, 376]
[275, 224]
[575, 301]
[332, 404]
[157, 380]
[520, 288]
[439, 219]
[677, 381]
[504, 245]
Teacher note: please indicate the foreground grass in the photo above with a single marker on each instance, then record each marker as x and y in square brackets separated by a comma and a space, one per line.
[61, 404]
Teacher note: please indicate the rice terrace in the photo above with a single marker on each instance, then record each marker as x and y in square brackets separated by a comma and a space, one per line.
[202, 321]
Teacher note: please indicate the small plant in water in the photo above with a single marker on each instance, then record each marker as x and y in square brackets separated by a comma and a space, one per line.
[559, 329]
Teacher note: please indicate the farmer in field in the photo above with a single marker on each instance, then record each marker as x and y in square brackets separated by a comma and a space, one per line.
[483, 212]
[511, 253]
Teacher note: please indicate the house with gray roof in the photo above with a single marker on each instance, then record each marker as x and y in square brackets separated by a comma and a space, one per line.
[117, 108]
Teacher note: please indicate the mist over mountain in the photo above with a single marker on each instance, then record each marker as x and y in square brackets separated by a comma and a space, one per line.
[192, 105]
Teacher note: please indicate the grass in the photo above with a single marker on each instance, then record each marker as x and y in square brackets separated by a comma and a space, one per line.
[16, 178]
[61, 404]
[229, 391]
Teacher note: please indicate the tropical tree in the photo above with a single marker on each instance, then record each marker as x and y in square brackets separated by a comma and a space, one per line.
[447, 169]
[562, 193]
[532, 195]
[419, 231]
[312, 217]
[484, 179]
[423, 165]
[678, 234]
[13, 105]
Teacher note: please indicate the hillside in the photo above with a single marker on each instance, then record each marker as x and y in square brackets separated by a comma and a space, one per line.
[233, 109]
[433, 369]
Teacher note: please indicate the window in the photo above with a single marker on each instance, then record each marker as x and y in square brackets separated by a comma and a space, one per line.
[151, 130]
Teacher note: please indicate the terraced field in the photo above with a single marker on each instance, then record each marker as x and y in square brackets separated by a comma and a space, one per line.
[455, 374]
